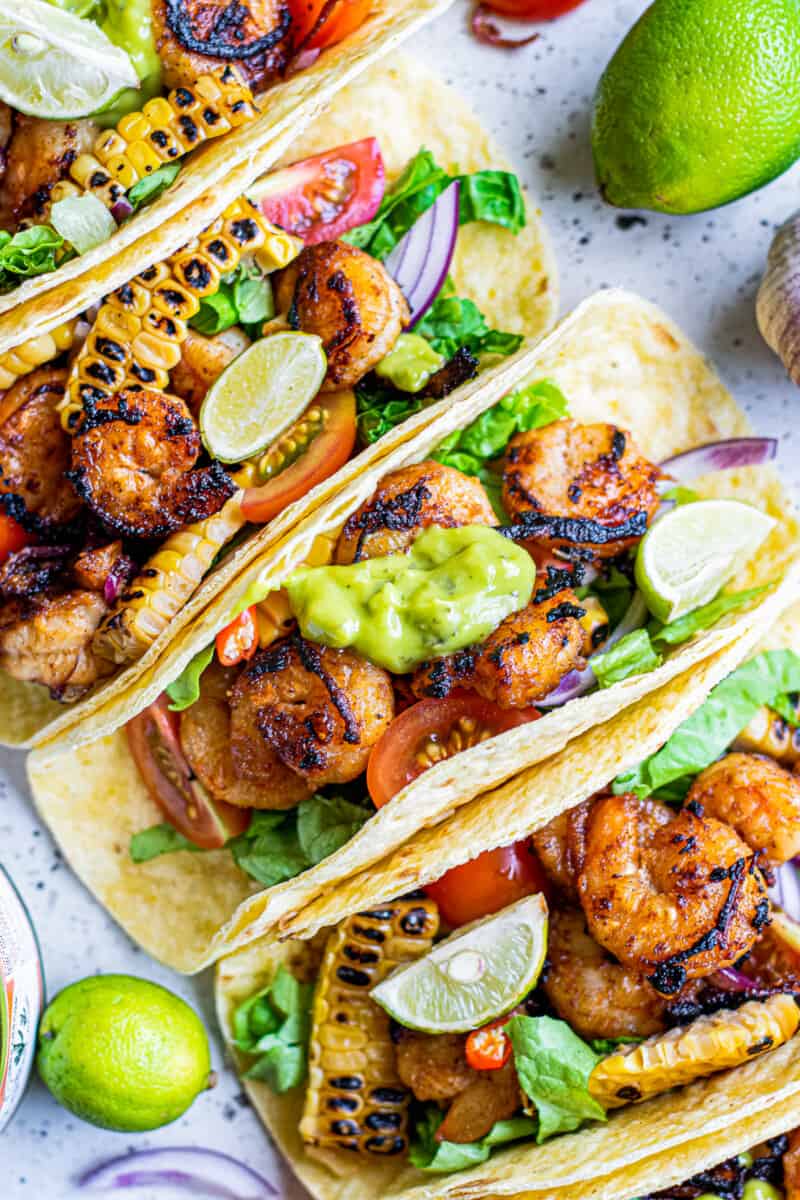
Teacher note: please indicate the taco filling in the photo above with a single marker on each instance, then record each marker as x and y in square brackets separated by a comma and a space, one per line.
[214, 390]
[635, 943]
[770, 1171]
[467, 595]
[102, 102]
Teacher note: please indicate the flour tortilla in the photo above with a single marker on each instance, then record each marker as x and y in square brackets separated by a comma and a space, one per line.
[640, 1149]
[213, 177]
[511, 278]
[616, 358]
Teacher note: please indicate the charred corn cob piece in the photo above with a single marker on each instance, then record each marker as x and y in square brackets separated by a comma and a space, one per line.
[35, 353]
[594, 622]
[355, 1100]
[769, 733]
[137, 336]
[711, 1043]
[165, 129]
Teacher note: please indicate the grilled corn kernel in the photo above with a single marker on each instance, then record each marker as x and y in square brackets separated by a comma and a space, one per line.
[62, 190]
[109, 145]
[35, 352]
[711, 1043]
[355, 1100]
[133, 127]
[165, 584]
[769, 733]
[594, 622]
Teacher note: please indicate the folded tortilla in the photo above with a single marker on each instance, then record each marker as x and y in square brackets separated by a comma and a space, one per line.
[510, 277]
[213, 177]
[616, 358]
[638, 1150]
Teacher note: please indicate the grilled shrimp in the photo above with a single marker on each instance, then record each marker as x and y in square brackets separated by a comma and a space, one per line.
[560, 846]
[758, 798]
[35, 452]
[791, 1167]
[575, 483]
[47, 639]
[598, 997]
[207, 733]
[678, 896]
[494, 1096]
[320, 710]
[39, 154]
[348, 299]
[132, 460]
[407, 501]
[203, 359]
[193, 38]
[522, 661]
[433, 1066]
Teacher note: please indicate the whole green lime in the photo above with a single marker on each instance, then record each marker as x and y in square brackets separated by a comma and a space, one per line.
[123, 1053]
[700, 104]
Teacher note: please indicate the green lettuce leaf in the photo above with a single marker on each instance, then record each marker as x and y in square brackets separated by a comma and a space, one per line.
[451, 323]
[614, 590]
[429, 1155]
[708, 732]
[493, 196]
[554, 1066]
[244, 297]
[786, 706]
[157, 840]
[275, 1025]
[381, 407]
[705, 616]
[34, 251]
[632, 655]
[325, 823]
[603, 1046]
[185, 690]
[269, 849]
[150, 187]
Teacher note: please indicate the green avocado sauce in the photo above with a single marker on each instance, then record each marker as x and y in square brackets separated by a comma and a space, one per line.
[451, 590]
[410, 363]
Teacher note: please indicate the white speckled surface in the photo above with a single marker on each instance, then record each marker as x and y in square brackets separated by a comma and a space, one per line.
[704, 270]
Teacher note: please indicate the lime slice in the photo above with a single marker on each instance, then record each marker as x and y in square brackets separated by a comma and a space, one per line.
[56, 65]
[260, 394]
[481, 972]
[689, 554]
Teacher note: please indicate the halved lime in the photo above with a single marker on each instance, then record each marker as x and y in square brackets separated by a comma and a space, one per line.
[260, 394]
[481, 972]
[689, 554]
[56, 65]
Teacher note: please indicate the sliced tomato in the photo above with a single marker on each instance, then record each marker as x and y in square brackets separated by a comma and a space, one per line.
[154, 741]
[12, 536]
[328, 450]
[238, 641]
[490, 882]
[320, 198]
[533, 10]
[489, 1048]
[399, 756]
[320, 23]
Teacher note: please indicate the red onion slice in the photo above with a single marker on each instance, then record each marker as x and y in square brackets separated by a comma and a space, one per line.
[719, 456]
[575, 683]
[731, 980]
[420, 261]
[486, 30]
[786, 892]
[190, 1169]
[121, 209]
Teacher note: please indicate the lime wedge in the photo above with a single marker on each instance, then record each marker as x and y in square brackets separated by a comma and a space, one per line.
[56, 65]
[481, 972]
[260, 394]
[689, 554]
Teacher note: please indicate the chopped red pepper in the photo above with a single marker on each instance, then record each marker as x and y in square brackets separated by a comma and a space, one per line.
[489, 1049]
[12, 536]
[238, 641]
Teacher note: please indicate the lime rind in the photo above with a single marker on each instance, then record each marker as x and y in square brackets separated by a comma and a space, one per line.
[479, 973]
[261, 394]
[58, 66]
[689, 554]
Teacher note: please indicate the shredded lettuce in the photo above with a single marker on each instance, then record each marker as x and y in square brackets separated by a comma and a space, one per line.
[609, 1045]
[632, 655]
[275, 1025]
[150, 187]
[451, 323]
[705, 616]
[381, 407]
[554, 1066]
[493, 196]
[243, 298]
[708, 732]
[429, 1155]
[530, 407]
[34, 251]
[185, 690]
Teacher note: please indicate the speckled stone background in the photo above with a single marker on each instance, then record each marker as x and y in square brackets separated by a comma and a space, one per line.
[704, 270]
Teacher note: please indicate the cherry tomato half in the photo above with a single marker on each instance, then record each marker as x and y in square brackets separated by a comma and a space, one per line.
[12, 536]
[533, 10]
[395, 760]
[238, 641]
[320, 198]
[488, 883]
[154, 741]
[326, 452]
[320, 23]
[489, 1048]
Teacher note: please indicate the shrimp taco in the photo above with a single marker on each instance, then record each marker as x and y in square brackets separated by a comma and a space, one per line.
[458, 612]
[600, 1002]
[125, 476]
[119, 116]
